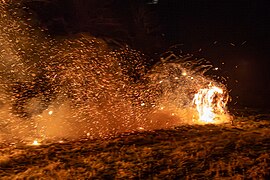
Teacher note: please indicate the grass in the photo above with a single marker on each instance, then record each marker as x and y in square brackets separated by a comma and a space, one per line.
[240, 150]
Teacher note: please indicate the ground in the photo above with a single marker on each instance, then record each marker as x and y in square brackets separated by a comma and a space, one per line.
[240, 150]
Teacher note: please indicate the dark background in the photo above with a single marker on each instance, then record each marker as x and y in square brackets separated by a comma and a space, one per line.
[233, 32]
[233, 35]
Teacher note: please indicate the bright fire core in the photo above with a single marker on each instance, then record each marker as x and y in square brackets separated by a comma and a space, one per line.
[210, 104]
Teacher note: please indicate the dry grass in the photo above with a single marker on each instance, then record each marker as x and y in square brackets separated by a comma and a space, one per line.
[237, 151]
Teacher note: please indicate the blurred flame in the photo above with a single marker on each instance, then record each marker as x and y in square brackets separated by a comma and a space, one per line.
[211, 104]
[35, 143]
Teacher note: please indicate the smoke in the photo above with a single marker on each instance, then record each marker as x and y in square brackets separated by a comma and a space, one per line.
[79, 88]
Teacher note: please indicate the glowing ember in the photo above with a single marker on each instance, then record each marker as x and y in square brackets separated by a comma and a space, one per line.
[184, 73]
[35, 143]
[211, 104]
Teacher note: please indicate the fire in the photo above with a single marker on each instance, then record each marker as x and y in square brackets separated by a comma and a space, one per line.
[35, 143]
[211, 104]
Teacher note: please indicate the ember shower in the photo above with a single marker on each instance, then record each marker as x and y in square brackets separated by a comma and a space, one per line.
[79, 87]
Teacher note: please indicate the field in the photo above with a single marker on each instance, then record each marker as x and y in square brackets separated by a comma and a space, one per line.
[240, 150]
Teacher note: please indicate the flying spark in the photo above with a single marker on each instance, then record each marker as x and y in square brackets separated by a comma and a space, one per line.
[81, 87]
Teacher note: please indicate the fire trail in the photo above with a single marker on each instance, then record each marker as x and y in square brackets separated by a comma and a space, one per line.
[79, 87]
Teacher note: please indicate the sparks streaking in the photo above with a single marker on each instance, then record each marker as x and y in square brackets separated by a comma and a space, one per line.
[81, 87]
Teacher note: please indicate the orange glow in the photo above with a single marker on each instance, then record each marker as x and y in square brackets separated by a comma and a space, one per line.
[211, 105]
[35, 143]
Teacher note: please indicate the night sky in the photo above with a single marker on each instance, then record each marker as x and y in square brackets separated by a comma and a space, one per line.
[233, 35]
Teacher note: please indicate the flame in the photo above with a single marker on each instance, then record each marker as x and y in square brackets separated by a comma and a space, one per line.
[35, 143]
[211, 105]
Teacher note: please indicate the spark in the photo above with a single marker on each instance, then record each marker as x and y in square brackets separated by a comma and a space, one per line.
[153, 2]
[92, 89]
[35, 143]
[184, 73]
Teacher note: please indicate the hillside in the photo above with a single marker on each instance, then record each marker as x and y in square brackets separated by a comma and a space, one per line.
[240, 150]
